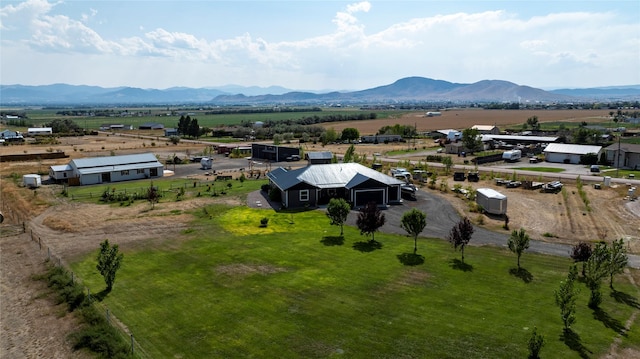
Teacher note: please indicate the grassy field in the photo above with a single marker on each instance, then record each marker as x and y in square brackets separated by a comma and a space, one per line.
[230, 288]
[40, 117]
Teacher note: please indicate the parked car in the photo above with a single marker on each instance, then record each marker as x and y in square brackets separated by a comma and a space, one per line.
[595, 168]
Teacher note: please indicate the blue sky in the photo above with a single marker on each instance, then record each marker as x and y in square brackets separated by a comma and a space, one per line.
[319, 45]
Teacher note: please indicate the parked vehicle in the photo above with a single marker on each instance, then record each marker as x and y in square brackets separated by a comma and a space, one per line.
[595, 168]
[512, 156]
[458, 176]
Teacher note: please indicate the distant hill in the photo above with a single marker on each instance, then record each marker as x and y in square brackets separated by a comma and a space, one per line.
[406, 90]
[414, 89]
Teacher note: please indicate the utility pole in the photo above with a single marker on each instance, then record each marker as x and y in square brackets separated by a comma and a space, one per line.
[618, 157]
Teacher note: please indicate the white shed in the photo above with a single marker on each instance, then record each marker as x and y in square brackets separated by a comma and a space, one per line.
[32, 181]
[491, 200]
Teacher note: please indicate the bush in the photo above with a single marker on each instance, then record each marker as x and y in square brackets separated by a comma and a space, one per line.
[265, 187]
[264, 222]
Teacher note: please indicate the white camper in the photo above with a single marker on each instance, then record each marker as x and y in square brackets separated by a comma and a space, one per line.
[32, 181]
[206, 163]
[512, 156]
[491, 201]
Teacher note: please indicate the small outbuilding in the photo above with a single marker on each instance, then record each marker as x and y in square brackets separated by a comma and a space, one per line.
[32, 180]
[491, 201]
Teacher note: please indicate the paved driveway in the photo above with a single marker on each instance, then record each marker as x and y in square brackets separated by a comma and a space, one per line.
[442, 216]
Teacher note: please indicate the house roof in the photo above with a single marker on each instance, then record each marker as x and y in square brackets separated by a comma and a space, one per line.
[332, 175]
[519, 138]
[143, 158]
[323, 155]
[572, 149]
[626, 147]
[484, 127]
[448, 131]
[61, 168]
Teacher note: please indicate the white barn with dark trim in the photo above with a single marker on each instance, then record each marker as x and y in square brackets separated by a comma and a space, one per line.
[315, 185]
[96, 170]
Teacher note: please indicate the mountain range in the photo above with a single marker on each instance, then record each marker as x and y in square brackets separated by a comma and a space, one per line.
[406, 90]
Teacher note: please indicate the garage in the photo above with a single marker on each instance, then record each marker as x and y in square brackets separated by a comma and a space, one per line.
[363, 197]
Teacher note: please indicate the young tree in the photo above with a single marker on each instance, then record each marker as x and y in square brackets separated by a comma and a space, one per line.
[536, 342]
[596, 269]
[370, 219]
[518, 243]
[337, 211]
[109, 261]
[414, 222]
[448, 163]
[617, 259]
[581, 253]
[533, 123]
[349, 154]
[566, 298]
[460, 235]
[153, 196]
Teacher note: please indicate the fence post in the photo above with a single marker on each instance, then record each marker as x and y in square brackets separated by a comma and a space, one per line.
[48, 253]
[131, 344]
[39, 243]
[108, 320]
[72, 278]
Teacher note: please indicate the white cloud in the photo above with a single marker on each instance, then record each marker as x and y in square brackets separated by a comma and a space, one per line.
[461, 47]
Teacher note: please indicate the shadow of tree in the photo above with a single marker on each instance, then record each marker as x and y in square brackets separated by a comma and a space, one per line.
[622, 297]
[332, 240]
[521, 273]
[368, 246]
[410, 259]
[460, 265]
[573, 341]
[609, 322]
[100, 295]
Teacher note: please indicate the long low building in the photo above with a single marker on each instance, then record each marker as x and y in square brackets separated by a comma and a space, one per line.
[96, 170]
[568, 153]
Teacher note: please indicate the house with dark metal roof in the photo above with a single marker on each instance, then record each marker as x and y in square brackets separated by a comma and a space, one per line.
[319, 158]
[315, 185]
[96, 170]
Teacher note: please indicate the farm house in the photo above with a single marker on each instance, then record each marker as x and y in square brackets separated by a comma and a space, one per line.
[316, 185]
[491, 201]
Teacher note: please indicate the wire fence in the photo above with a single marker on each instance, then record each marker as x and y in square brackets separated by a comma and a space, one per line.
[135, 349]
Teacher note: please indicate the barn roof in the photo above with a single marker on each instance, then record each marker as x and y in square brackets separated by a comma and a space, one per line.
[145, 159]
[332, 175]
[571, 149]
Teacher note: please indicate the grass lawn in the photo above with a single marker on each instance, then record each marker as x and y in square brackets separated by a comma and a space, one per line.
[168, 186]
[229, 289]
[540, 169]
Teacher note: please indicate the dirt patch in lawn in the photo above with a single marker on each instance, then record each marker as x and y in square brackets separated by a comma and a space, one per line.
[245, 270]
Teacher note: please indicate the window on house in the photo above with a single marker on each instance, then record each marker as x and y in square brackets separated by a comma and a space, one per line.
[304, 195]
[124, 173]
[140, 172]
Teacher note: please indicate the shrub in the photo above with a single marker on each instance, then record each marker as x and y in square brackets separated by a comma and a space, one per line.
[264, 222]
[265, 187]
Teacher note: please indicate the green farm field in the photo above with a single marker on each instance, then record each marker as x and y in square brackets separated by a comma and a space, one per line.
[227, 288]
